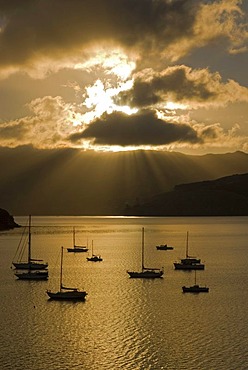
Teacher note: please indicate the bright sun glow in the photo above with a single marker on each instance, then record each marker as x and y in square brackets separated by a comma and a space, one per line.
[101, 99]
[173, 106]
[117, 148]
[115, 70]
[112, 62]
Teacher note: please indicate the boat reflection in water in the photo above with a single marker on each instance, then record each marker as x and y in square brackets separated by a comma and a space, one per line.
[32, 275]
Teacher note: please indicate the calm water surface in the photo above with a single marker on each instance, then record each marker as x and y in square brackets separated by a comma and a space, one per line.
[126, 323]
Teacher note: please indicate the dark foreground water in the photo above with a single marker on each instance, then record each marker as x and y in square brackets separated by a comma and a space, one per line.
[124, 323]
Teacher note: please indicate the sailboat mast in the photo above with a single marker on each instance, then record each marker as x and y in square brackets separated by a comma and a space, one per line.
[73, 237]
[187, 245]
[61, 267]
[143, 248]
[29, 239]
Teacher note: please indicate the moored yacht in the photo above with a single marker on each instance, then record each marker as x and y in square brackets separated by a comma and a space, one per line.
[31, 263]
[189, 262]
[94, 257]
[146, 272]
[195, 288]
[66, 293]
[76, 248]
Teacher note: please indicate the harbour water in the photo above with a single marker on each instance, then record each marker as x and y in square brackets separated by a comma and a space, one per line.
[124, 323]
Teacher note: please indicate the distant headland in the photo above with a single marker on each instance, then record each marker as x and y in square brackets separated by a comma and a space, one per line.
[226, 196]
[7, 221]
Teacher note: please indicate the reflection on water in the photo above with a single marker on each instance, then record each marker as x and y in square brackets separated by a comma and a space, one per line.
[128, 323]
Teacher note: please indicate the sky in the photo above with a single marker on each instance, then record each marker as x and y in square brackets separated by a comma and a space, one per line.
[117, 75]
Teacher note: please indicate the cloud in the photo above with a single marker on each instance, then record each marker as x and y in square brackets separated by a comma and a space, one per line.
[14, 131]
[59, 33]
[39, 29]
[56, 124]
[215, 136]
[48, 126]
[221, 20]
[182, 84]
[144, 129]
[140, 129]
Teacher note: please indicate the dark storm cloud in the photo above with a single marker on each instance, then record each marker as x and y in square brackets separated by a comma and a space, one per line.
[181, 84]
[139, 129]
[157, 87]
[30, 29]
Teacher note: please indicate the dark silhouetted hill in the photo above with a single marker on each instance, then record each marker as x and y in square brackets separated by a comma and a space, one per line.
[6, 220]
[227, 196]
[75, 182]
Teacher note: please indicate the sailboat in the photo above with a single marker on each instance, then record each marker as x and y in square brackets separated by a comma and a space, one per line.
[145, 273]
[189, 262]
[66, 293]
[31, 263]
[94, 257]
[195, 288]
[76, 248]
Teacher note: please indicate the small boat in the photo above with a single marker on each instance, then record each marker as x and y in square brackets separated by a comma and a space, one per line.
[31, 263]
[66, 293]
[94, 257]
[164, 247]
[195, 288]
[189, 263]
[145, 273]
[76, 248]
